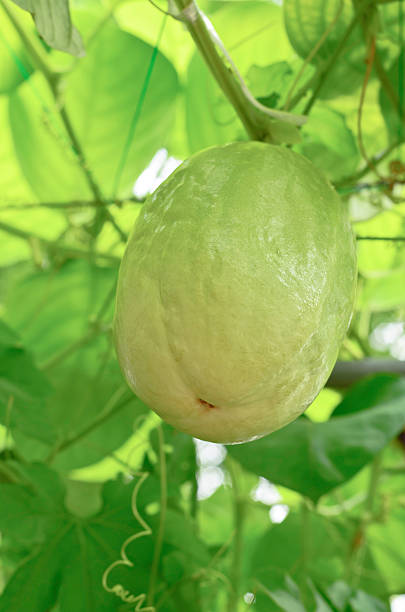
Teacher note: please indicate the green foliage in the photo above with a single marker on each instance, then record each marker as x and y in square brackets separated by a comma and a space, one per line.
[308, 519]
[53, 22]
[313, 458]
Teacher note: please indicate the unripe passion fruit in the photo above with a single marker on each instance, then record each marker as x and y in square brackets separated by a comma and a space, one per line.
[235, 292]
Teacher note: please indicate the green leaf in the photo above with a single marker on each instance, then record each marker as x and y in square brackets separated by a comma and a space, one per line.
[289, 600]
[383, 541]
[309, 21]
[385, 293]
[87, 382]
[69, 560]
[52, 18]
[314, 458]
[23, 387]
[393, 110]
[53, 172]
[14, 61]
[329, 143]
[363, 602]
[309, 548]
[101, 95]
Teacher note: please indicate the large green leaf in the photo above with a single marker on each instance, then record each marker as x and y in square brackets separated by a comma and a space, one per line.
[393, 102]
[71, 554]
[14, 192]
[14, 61]
[329, 143]
[101, 96]
[314, 458]
[310, 21]
[52, 18]
[20, 379]
[308, 546]
[382, 294]
[87, 381]
[42, 145]
[383, 540]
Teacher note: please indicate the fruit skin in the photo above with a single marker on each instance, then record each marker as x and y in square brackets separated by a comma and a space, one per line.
[236, 288]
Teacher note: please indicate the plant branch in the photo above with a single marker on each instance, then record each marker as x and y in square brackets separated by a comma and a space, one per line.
[330, 64]
[257, 119]
[377, 159]
[54, 245]
[83, 164]
[382, 238]
[73, 204]
[347, 373]
[310, 56]
[8, 475]
[113, 406]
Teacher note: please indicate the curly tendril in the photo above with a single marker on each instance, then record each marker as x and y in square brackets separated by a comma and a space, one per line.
[118, 589]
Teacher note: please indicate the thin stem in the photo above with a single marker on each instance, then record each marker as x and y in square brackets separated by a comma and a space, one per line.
[162, 519]
[113, 407]
[347, 373]
[239, 512]
[73, 204]
[194, 490]
[394, 470]
[386, 84]
[54, 245]
[382, 238]
[377, 159]
[358, 544]
[72, 348]
[312, 54]
[331, 63]
[83, 165]
[8, 474]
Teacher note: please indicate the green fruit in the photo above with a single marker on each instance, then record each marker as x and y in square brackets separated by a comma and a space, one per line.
[306, 24]
[235, 292]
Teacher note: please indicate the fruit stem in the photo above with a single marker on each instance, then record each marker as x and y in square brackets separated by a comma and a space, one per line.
[256, 118]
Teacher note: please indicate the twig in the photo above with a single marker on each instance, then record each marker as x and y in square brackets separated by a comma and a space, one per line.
[377, 159]
[382, 238]
[256, 118]
[369, 62]
[72, 204]
[54, 245]
[347, 373]
[335, 56]
[312, 54]
[113, 406]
